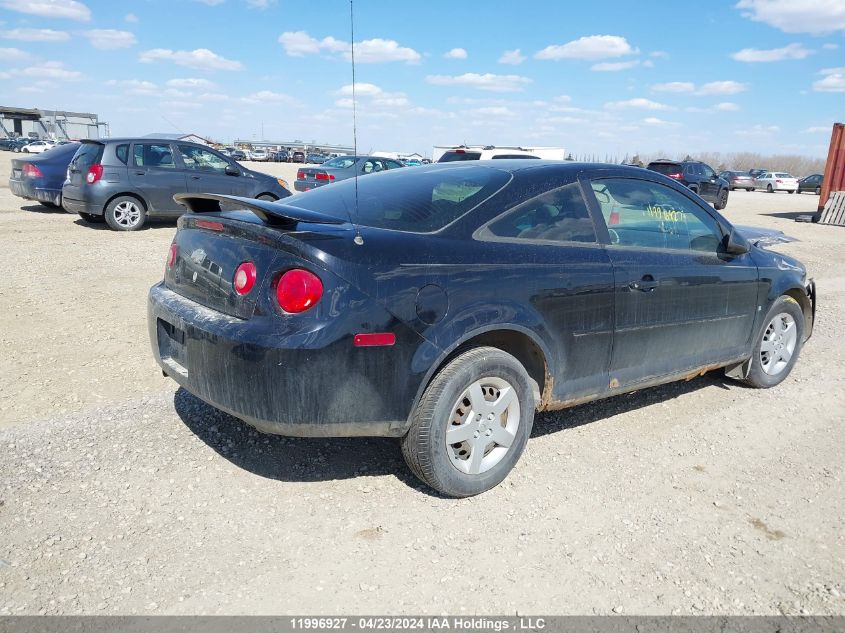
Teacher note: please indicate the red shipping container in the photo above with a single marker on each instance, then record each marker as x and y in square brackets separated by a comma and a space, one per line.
[834, 169]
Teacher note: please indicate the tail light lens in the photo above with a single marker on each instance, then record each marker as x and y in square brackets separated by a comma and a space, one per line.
[677, 176]
[298, 290]
[95, 172]
[778, 180]
[321, 175]
[171, 258]
[300, 175]
[32, 171]
[244, 279]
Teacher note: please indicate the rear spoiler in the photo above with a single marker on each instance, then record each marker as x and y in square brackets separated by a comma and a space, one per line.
[269, 212]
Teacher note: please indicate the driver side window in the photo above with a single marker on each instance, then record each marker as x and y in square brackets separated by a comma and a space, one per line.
[644, 214]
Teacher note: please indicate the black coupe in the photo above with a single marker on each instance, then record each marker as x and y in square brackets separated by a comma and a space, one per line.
[444, 305]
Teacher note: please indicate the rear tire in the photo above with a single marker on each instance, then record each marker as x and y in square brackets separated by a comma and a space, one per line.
[483, 400]
[125, 213]
[818, 191]
[792, 191]
[721, 200]
[778, 344]
[752, 189]
[769, 188]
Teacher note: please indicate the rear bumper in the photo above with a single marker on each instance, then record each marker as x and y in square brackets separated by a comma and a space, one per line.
[308, 185]
[28, 190]
[273, 381]
[81, 206]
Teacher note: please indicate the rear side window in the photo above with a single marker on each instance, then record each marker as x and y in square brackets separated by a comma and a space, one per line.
[153, 155]
[122, 153]
[88, 154]
[560, 216]
[451, 157]
[407, 199]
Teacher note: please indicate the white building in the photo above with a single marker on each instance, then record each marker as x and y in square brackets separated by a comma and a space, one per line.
[549, 153]
[52, 124]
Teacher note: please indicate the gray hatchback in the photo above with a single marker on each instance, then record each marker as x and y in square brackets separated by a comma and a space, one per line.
[124, 181]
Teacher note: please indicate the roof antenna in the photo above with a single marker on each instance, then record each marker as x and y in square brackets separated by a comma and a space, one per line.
[359, 240]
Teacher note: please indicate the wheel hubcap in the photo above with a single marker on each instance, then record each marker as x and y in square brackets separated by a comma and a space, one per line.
[127, 214]
[778, 344]
[483, 425]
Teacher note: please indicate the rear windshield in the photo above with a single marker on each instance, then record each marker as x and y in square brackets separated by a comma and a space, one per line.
[416, 201]
[665, 168]
[783, 175]
[511, 156]
[450, 157]
[88, 154]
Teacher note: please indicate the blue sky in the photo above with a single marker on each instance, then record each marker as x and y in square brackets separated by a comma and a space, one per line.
[604, 78]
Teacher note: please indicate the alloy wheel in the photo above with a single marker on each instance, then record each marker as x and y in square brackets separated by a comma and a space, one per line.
[483, 425]
[778, 344]
[127, 214]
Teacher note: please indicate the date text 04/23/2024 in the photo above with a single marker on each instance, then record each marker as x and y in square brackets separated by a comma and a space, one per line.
[457, 623]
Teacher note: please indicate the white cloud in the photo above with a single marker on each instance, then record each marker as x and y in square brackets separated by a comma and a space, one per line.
[496, 111]
[615, 66]
[722, 88]
[659, 54]
[792, 51]
[759, 130]
[726, 106]
[644, 104]
[131, 18]
[70, 9]
[212, 96]
[456, 53]
[35, 35]
[13, 54]
[182, 105]
[674, 86]
[260, 4]
[513, 58]
[134, 86]
[818, 129]
[834, 80]
[374, 51]
[830, 46]
[201, 58]
[211, 3]
[49, 70]
[361, 90]
[268, 96]
[591, 47]
[653, 120]
[108, 39]
[191, 83]
[487, 81]
[797, 16]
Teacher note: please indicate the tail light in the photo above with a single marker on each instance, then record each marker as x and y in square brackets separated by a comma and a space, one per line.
[321, 175]
[298, 290]
[95, 172]
[778, 180]
[300, 175]
[244, 279]
[171, 258]
[32, 171]
[676, 176]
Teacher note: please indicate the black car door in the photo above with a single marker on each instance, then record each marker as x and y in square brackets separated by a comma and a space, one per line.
[680, 303]
[157, 174]
[709, 188]
[549, 245]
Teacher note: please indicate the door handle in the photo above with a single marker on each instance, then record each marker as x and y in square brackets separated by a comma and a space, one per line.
[646, 284]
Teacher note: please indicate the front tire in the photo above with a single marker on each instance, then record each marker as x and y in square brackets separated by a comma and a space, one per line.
[818, 191]
[125, 213]
[721, 200]
[752, 189]
[471, 424]
[778, 344]
[769, 188]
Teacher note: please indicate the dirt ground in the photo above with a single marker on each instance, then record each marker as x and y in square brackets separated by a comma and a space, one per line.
[120, 494]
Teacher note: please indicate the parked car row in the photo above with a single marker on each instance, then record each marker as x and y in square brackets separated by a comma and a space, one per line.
[342, 168]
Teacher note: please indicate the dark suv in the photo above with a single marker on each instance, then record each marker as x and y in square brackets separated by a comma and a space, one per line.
[126, 180]
[698, 176]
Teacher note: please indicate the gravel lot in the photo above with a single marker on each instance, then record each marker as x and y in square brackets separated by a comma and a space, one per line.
[121, 494]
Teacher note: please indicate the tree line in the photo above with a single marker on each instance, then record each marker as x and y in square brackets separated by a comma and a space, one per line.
[798, 166]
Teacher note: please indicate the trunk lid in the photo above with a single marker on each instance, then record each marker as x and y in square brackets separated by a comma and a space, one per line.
[211, 244]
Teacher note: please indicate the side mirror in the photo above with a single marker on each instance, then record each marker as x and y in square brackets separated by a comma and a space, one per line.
[231, 170]
[735, 244]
